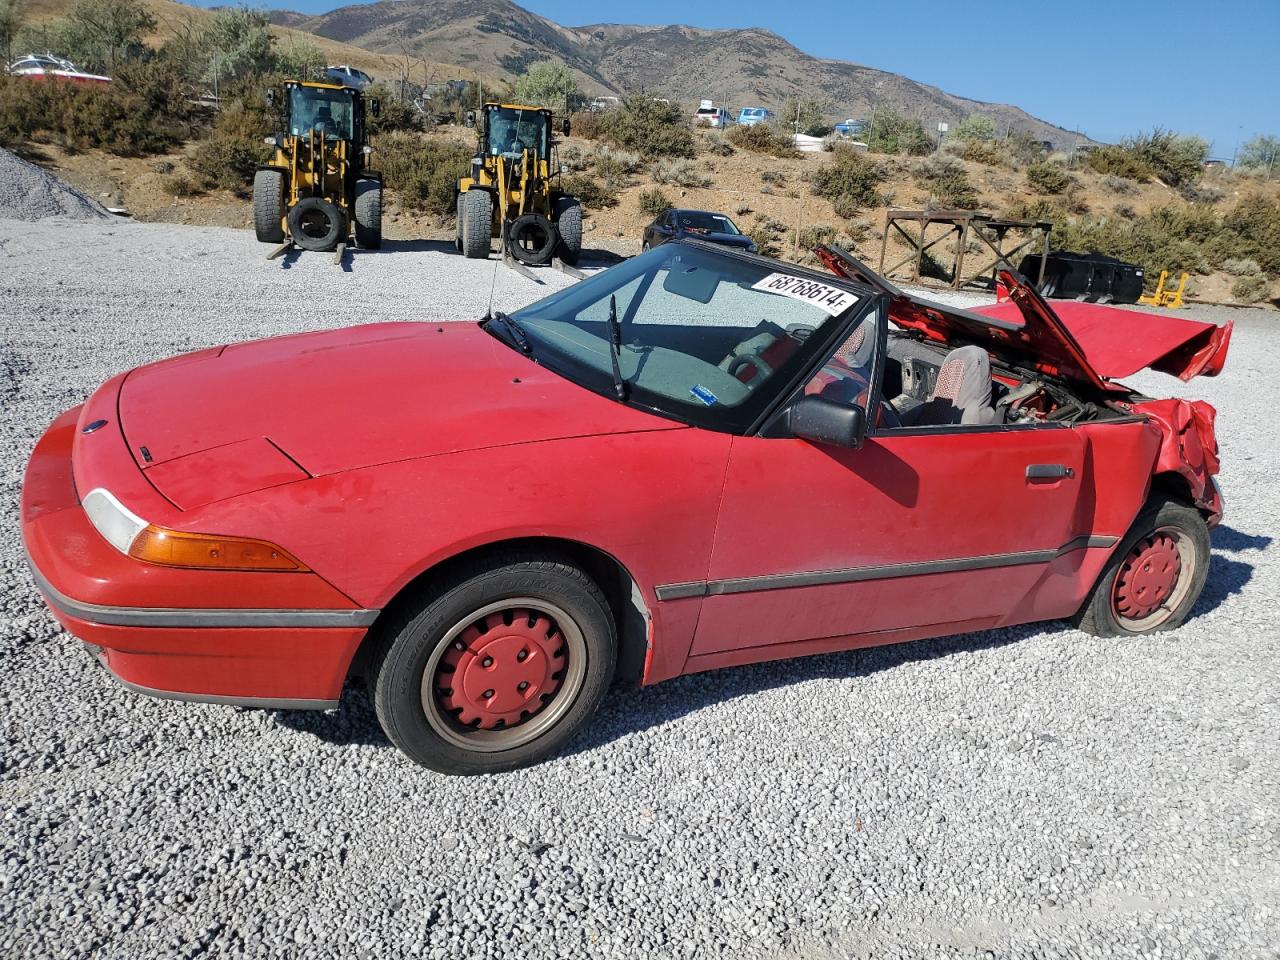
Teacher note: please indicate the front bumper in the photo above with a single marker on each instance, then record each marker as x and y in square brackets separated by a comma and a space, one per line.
[282, 640]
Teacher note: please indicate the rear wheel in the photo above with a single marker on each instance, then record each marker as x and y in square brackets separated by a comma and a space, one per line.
[1154, 577]
[475, 207]
[569, 225]
[368, 212]
[499, 668]
[268, 206]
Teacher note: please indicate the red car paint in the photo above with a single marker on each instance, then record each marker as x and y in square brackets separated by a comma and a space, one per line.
[375, 453]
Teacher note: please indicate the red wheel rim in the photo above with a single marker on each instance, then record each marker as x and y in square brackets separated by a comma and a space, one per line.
[502, 670]
[1148, 577]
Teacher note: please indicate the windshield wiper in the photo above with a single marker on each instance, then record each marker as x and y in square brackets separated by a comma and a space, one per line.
[615, 341]
[513, 328]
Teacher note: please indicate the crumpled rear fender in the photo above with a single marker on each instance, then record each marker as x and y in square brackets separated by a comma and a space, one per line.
[1188, 448]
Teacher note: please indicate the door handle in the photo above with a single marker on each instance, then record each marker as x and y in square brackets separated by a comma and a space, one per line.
[1048, 471]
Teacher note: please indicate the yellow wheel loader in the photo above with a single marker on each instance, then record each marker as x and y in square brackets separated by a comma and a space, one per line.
[318, 191]
[510, 193]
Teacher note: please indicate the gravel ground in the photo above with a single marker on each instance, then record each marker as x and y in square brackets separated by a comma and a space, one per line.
[31, 193]
[1031, 792]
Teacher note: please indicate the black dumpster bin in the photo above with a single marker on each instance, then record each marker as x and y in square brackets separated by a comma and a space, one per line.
[1086, 276]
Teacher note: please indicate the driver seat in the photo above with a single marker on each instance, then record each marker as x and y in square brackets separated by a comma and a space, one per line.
[962, 393]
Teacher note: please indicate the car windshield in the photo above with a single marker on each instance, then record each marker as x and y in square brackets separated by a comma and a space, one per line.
[703, 222]
[325, 111]
[707, 337]
[513, 130]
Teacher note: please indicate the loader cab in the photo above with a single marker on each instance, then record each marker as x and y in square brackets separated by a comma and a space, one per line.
[337, 112]
[510, 130]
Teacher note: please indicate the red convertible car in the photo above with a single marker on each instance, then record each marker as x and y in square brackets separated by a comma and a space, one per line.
[694, 459]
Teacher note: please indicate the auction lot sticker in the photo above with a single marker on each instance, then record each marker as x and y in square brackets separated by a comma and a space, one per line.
[831, 299]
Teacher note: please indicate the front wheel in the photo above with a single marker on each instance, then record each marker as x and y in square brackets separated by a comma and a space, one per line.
[568, 214]
[368, 211]
[268, 206]
[498, 668]
[1154, 577]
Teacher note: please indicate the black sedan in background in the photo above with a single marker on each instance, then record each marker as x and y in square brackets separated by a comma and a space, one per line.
[698, 224]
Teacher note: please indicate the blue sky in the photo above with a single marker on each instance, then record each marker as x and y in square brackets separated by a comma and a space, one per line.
[1108, 68]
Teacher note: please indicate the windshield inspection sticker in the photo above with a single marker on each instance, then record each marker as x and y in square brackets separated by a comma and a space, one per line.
[831, 299]
[703, 394]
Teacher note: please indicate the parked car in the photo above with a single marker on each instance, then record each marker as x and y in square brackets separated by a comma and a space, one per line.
[709, 115]
[604, 104]
[348, 76]
[694, 459]
[750, 116]
[702, 224]
[851, 127]
[45, 66]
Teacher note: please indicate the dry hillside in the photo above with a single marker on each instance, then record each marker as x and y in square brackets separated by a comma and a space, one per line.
[173, 18]
[747, 66]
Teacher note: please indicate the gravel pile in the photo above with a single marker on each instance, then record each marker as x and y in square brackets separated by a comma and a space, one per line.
[1032, 792]
[29, 192]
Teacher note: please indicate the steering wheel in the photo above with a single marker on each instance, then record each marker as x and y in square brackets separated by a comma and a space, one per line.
[743, 361]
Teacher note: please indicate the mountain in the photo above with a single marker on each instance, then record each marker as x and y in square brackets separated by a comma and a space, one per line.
[750, 66]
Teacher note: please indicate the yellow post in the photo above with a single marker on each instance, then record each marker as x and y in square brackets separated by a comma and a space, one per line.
[1156, 298]
[1174, 300]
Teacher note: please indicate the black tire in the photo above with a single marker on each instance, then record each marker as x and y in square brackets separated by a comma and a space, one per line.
[317, 224]
[418, 714]
[568, 213]
[532, 239]
[368, 213]
[475, 207]
[1126, 587]
[268, 206]
[457, 223]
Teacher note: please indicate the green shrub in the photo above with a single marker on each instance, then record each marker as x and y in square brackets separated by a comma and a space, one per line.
[1174, 158]
[178, 185]
[680, 172]
[891, 132]
[614, 167]
[653, 203]
[1119, 185]
[1254, 228]
[1045, 176]
[1241, 266]
[228, 162]
[766, 235]
[763, 138]
[648, 127]
[145, 111]
[594, 194]
[849, 181]
[1250, 289]
[987, 152]
[422, 171]
[1118, 162]
[974, 127]
[589, 126]
[953, 193]
[393, 113]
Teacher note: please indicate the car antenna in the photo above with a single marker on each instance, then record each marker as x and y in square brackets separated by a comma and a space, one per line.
[615, 341]
[493, 284]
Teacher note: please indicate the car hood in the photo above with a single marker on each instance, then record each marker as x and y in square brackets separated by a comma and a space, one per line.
[728, 239]
[229, 420]
[1086, 344]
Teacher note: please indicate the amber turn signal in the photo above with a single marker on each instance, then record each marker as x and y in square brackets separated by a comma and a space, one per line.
[173, 548]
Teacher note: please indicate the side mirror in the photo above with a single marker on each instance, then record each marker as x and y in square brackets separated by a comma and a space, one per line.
[825, 421]
[471, 118]
[565, 126]
[271, 96]
[375, 106]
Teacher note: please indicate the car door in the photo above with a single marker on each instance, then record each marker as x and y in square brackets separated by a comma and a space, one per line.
[924, 531]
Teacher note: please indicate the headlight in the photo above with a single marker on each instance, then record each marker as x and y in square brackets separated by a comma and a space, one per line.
[118, 525]
[132, 535]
